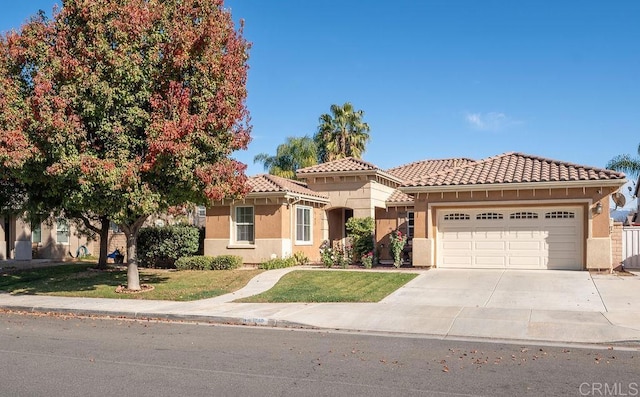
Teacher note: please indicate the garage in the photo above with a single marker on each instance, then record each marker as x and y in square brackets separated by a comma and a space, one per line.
[513, 238]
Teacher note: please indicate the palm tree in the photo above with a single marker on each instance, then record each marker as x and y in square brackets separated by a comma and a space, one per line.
[627, 164]
[341, 133]
[293, 154]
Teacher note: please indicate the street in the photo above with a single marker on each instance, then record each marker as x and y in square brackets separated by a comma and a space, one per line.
[47, 355]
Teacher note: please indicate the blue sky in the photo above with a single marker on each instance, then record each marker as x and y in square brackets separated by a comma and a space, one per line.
[440, 79]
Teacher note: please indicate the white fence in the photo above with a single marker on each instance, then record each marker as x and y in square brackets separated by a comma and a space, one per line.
[631, 247]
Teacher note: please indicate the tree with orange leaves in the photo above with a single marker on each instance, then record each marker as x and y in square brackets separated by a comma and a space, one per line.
[124, 108]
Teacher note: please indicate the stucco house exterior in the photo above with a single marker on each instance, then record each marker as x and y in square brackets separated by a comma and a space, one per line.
[49, 239]
[512, 210]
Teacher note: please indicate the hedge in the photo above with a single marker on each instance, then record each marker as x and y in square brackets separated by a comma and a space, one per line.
[222, 262]
[161, 246]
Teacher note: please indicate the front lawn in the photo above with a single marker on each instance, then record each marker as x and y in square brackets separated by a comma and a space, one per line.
[332, 286]
[80, 280]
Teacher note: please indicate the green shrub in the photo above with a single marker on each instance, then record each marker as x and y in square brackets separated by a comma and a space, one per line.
[161, 246]
[194, 263]
[222, 262]
[361, 232]
[277, 263]
[226, 262]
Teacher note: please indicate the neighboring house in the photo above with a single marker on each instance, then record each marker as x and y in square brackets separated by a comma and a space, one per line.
[509, 211]
[52, 239]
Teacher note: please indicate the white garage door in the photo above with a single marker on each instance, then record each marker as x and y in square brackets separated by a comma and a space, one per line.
[518, 238]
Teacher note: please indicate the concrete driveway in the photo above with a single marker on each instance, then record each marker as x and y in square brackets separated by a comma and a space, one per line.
[522, 289]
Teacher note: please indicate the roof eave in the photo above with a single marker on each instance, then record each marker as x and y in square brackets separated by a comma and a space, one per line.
[400, 203]
[287, 195]
[330, 174]
[514, 186]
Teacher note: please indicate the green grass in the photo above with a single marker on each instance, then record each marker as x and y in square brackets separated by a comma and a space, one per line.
[80, 281]
[332, 286]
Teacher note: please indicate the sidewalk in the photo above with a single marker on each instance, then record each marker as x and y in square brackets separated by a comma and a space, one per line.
[602, 327]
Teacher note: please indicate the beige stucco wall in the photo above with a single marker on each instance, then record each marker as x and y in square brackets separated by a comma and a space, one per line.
[360, 193]
[388, 220]
[3, 239]
[274, 226]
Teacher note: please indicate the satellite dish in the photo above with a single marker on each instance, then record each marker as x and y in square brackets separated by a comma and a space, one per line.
[619, 199]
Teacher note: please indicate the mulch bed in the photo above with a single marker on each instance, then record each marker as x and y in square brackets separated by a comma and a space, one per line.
[122, 289]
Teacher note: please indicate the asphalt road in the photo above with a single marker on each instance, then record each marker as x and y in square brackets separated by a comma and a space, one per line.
[67, 356]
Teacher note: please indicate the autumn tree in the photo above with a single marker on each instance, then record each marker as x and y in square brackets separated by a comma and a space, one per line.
[296, 152]
[124, 108]
[342, 133]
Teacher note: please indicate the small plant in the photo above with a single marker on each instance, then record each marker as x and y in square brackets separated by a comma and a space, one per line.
[397, 241]
[344, 256]
[300, 258]
[194, 263]
[277, 263]
[327, 254]
[367, 260]
[226, 262]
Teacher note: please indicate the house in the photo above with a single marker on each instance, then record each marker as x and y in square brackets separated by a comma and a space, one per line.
[513, 210]
[48, 239]
[277, 218]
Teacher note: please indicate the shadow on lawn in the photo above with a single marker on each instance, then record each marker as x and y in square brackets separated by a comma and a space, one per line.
[68, 278]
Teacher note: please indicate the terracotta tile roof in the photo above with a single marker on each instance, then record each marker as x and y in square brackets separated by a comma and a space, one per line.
[266, 183]
[345, 164]
[399, 197]
[515, 168]
[419, 169]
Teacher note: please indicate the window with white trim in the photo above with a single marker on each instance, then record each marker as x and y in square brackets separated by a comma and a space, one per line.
[410, 224]
[456, 217]
[303, 224]
[36, 232]
[62, 231]
[560, 215]
[489, 215]
[244, 224]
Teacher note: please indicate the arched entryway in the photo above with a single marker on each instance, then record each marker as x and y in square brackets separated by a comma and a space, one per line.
[337, 219]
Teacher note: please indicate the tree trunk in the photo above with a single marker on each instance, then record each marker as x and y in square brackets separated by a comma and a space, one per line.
[104, 242]
[133, 277]
[131, 232]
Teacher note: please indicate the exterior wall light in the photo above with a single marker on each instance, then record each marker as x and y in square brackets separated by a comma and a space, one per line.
[598, 208]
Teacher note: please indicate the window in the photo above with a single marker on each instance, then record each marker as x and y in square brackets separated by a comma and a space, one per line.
[410, 224]
[202, 211]
[456, 217]
[62, 231]
[489, 215]
[559, 215]
[244, 224]
[303, 224]
[523, 215]
[36, 232]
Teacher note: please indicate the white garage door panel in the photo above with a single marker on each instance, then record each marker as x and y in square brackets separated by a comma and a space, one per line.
[524, 238]
[490, 245]
[490, 261]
